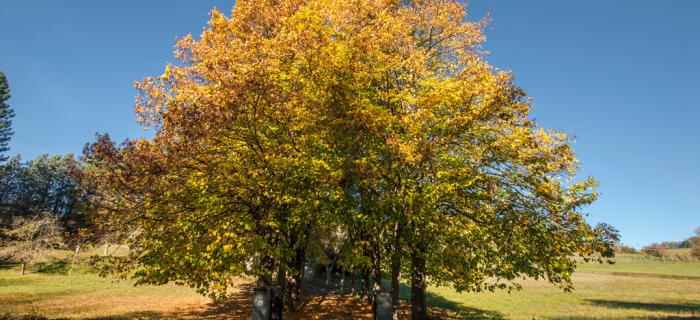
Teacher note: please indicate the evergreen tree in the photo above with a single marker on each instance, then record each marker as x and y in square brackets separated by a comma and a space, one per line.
[6, 115]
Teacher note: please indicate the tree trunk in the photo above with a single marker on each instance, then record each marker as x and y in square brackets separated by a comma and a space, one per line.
[365, 284]
[329, 271]
[24, 265]
[395, 271]
[298, 266]
[279, 293]
[265, 279]
[352, 281]
[377, 268]
[342, 282]
[419, 310]
[297, 278]
[377, 286]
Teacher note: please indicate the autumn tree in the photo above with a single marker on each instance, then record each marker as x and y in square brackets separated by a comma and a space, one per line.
[441, 166]
[696, 243]
[376, 120]
[28, 238]
[6, 115]
[235, 172]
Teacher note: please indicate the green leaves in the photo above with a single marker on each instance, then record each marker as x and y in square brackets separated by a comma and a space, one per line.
[361, 131]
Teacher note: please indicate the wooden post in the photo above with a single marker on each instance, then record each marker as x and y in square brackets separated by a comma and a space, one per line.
[75, 256]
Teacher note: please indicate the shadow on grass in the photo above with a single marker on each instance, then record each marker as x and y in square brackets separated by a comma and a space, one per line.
[318, 302]
[4, 266]
[53, 266]
[238, 305]
[628, 318]
[440, 307]
[690, 307]
[440, 304]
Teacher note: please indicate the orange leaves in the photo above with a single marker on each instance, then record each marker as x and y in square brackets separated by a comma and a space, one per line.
[292, 114]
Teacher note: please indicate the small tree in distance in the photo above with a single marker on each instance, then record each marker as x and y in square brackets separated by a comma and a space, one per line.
[696, 244]
[28, 238]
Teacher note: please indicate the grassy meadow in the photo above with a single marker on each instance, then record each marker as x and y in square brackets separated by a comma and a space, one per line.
[625, 290]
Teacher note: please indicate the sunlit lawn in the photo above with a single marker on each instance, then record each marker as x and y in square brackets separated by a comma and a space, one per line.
[87, 295]
[668, 290]
[600, 295]
[681, 269]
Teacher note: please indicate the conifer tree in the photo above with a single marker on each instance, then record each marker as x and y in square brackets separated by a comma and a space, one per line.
[6, 115]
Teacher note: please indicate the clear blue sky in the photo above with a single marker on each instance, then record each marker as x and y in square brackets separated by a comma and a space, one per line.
[623, 76]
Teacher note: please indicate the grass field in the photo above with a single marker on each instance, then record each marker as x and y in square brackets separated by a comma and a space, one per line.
[625, 290]
[602, 292]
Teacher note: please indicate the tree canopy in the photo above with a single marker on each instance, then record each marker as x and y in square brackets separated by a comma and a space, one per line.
[377, 123]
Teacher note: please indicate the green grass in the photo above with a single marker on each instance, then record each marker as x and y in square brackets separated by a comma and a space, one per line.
[87, 295]
[601, 295]
[673, 268]
[625, 290]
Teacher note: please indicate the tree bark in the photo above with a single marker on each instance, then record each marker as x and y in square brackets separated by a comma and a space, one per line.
[329, 272]
[298, 266]
[297, 278]
[266, 272]
[395, 287]
[377, 285]
[352, 281]
[24, 265]
[364, 286]
[279, 293]
[377, 268]
[419, 310]
[342, 282]
[395, 272]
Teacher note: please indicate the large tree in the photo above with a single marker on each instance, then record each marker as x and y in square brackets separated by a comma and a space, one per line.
[236, 172]
[6, 115]
[376, 120]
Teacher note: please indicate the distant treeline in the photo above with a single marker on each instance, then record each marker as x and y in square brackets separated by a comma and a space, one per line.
[687, 243]
[42, 207]
[45, 185]
[659, 249]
